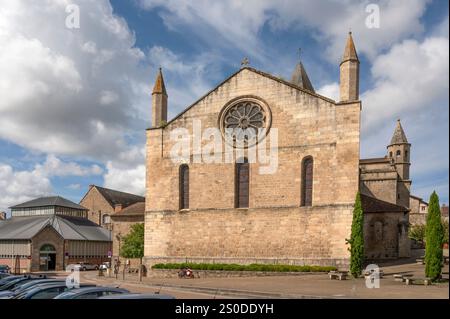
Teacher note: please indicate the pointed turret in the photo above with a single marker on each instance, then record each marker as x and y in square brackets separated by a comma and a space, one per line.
[349, 72]
[399, 136]
[398, 152]
[159, 101]
[159, 84]
[350, 50]
[300, 77]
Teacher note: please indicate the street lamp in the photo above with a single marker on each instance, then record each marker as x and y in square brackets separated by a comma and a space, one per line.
[119, 238]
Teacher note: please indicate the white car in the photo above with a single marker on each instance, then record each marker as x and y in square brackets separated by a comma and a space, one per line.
[82, 266]
[104, 266]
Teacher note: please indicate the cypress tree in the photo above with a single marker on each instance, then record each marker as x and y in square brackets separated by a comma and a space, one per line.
[357, 239]
[434, 237]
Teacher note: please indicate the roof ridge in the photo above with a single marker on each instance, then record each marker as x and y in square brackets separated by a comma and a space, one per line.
[117, 191]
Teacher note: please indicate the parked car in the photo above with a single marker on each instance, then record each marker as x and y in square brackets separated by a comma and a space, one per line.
[7, 279]
[3, 275]
[47, 291]
[91, 293]
[104, 266]
[4, 269]
[82, 266]
[23, 286]
[13, 283]
[137, 296]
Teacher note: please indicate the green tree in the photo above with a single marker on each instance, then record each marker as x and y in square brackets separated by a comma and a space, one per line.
[356, 240]
[434, 238]
[133, 245]
[417, 233]
[445, 226]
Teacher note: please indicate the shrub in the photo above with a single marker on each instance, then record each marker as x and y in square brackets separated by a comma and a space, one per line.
[251, 267]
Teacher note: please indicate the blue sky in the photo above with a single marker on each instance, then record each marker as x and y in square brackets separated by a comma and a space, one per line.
[76, 102]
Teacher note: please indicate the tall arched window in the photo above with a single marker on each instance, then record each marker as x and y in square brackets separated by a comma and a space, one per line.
[242, 184]
[307, 181]
[398, 153]
[184, 186]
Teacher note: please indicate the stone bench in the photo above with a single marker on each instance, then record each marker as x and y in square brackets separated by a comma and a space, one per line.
[400, 277]
[341, 275]
[368, 273]
[418, 281]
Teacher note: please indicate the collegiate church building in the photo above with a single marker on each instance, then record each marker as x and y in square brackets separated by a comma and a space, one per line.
[299, 214]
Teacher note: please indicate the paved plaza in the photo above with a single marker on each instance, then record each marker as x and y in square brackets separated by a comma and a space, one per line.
[301, 286]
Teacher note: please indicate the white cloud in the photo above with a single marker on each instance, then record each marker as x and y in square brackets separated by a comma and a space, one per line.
[236, 23]
[21, 186]
[412, 75]
[330, 90]
[53, 166]
[54, 80]
[130, 180]
[17, 186]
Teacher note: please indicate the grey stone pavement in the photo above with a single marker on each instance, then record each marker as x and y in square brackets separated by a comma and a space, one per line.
[310, 285]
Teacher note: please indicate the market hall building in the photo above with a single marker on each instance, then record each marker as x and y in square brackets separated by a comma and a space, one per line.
[50, 233]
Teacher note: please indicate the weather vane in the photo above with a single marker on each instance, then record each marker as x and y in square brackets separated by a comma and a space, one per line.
[245, 62]
[299, 54]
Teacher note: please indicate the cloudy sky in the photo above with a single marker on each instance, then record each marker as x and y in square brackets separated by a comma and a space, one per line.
[75, 102]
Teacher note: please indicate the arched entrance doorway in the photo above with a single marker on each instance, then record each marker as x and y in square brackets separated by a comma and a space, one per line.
[47, 257]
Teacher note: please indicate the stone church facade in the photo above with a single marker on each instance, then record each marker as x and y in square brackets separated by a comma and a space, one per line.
[299, 214]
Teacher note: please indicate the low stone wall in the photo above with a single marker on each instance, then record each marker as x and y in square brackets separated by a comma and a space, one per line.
[173, 273]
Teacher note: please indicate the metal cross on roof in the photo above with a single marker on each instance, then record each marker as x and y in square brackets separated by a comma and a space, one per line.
[245, 62]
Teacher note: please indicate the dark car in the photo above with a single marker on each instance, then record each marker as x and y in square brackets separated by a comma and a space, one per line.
[5, 280]
[47, 291]
[137, 296]
[91, 293]
[3, 275]
[7, 294]
[18, 281]
[4, 269]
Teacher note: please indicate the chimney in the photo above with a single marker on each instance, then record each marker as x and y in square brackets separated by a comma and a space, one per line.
[2, 215]
[117, 208]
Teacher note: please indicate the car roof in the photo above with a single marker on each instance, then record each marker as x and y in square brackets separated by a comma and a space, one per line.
[76, 291]
[36, 282]
[138, 296]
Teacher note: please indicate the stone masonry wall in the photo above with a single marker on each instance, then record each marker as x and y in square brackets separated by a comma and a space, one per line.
[274, 226]
[97, 206]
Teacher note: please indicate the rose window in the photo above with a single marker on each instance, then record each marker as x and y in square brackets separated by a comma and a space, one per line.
[244, 119]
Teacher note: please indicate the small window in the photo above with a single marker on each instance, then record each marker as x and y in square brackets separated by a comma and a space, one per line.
[242, 184]
[390, 154]
[398, 196]
[106, 219]
[406, 155]
[184, 186]
[398, 153]
[307, 182]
